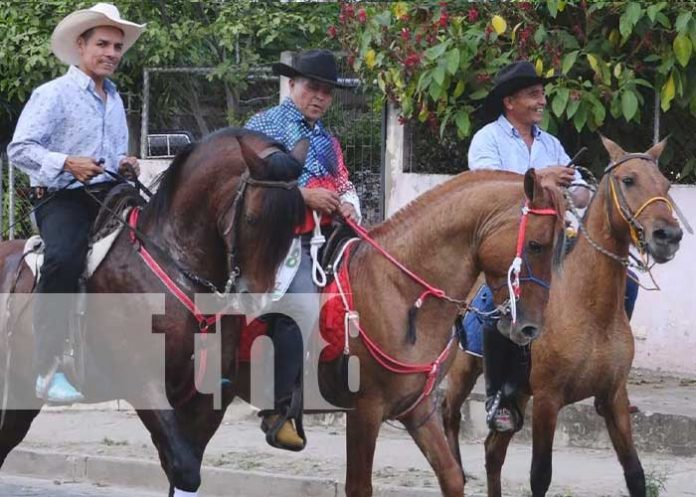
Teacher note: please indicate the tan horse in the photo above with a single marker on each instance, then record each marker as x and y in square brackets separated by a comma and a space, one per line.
[447, 236]
[586, 347]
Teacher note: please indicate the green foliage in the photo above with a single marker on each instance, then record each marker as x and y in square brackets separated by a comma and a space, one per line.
[436, 60]
[231, 37]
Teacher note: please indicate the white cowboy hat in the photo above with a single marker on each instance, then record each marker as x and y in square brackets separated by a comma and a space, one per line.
[64, 37]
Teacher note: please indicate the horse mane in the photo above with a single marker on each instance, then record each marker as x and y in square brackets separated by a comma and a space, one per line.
[167, 182]
[439, 193]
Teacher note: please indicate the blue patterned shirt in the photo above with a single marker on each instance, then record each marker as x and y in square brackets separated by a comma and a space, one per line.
[498, 145]
[66, 117]
[324, 166]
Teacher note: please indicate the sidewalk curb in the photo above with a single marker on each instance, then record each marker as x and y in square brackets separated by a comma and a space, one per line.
[148, 476]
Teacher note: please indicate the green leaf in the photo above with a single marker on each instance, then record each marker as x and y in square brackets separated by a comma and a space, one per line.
[553, 7]
[688, 168]
[629, 104]
[560, 100]
[652, 12]
[629, 18]
[540, 35]
[463, 124]
[453, 58]
[568, 61]
[435, 91]
[580, 118]
[439, 74]
[434, 53]
[682, 49]
[459, 89]
[573, 106]
[667, 93]
[682, 22]
[479, 94]
[664, 20]
[599, 113]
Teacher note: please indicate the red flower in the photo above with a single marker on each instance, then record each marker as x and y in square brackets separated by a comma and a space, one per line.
[419, 37]
[405, 34]
[526, 6]
[405, 18]
[443, 20]
[412, 60]
[362, 16]
[331, 32]
[351, 60]
[472, 15]
[341, 18]
[348, 10]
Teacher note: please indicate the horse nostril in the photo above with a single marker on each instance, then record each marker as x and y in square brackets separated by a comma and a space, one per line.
[668, 234]
[530, 331]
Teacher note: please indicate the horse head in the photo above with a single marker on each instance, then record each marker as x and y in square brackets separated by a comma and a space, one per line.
[637, 194]
[527, 237]
[270, 208]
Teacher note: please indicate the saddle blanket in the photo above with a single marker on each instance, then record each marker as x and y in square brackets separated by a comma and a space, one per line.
[332, 319]
[33, 251]
[470, 326]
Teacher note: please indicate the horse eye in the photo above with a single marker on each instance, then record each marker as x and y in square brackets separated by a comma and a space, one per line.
[534, 247]
[628, 180]
[250, 219]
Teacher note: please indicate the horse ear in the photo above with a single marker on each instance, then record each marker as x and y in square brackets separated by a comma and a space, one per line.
[656, 150]
[299, 152]
[255, 163]
[532, 186]
[615, 151]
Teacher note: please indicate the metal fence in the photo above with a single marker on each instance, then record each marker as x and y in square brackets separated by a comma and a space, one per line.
[15, 216]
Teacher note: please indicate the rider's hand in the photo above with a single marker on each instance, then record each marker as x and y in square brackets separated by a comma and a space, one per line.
[129, 168]
[82, 168]
[556, 176]
[321, 199]
[347, 210]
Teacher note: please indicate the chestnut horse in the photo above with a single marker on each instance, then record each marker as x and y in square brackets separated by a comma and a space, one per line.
[226, 205]
[468, 225]
[586, 347]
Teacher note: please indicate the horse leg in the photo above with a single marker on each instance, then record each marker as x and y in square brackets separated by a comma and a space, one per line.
[544, 418]
[618, 420]
[496, 446]
[179, 458]
[425, 427]
[362, 429]
[15, 428]
[461, 379]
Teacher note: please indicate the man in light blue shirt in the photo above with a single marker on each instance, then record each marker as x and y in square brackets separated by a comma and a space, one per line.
[72, 129]
[513, 141]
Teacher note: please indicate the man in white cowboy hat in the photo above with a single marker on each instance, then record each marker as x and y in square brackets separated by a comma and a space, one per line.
[71, 131]
[326, 189]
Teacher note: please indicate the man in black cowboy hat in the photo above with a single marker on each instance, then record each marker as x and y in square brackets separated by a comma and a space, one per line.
[326, 190]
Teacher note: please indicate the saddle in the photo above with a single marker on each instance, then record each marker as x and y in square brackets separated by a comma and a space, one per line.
[120, 199]
[333, 247]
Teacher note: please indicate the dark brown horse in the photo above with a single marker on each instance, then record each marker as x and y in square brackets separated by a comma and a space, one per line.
[586, 347]
[449, 235]
[227, 204]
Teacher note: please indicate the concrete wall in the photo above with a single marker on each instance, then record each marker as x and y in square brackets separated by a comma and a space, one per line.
[664, 329]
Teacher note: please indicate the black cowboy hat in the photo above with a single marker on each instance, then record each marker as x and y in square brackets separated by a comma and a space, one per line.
[314, 64]
[510, 79]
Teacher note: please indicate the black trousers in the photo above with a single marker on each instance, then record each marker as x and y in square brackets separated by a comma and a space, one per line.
[64, 224]
[506, 365]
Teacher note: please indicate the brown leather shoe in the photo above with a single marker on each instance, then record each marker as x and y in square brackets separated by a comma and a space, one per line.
[287, 436]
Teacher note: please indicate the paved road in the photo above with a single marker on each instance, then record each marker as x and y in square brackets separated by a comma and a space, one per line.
[11, 486]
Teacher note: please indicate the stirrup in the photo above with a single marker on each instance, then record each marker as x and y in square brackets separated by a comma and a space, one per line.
[503, 419]
[281, 433]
